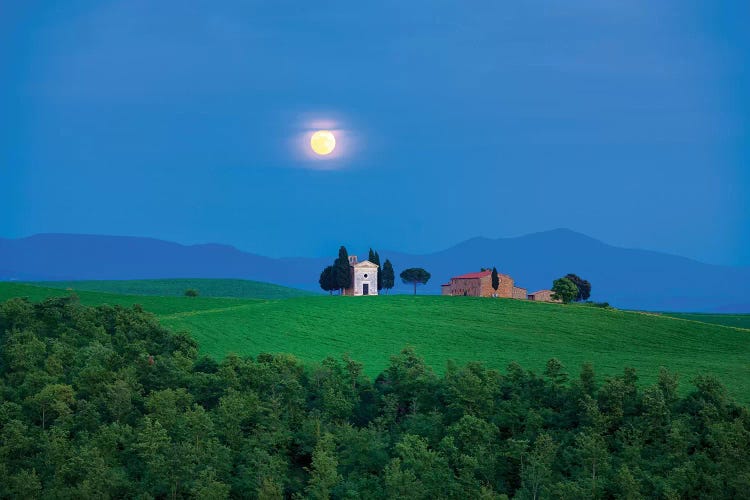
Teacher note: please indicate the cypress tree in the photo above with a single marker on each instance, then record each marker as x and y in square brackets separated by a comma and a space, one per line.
[342, 273]
[374, 257]
[495, 279]
[380, 271]
[388, 277]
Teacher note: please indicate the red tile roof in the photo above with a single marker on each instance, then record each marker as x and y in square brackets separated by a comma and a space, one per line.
[470, 276]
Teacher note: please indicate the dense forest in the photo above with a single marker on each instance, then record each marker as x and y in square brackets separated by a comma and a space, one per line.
[104, 402]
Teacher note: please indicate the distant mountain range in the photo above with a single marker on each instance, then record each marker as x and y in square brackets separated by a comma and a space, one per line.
[626, 278]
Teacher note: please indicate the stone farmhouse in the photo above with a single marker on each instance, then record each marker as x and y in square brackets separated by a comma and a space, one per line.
[364, 278]
[480, 285]
[543, 296]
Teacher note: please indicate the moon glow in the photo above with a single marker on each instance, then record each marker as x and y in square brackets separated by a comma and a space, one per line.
[323, 142]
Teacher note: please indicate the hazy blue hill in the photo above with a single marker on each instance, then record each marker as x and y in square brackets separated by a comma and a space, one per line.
[66, 257]
[627, 278]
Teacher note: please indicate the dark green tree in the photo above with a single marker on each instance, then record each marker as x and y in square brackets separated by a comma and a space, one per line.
[415, 276]
[24, 484]
[587, 379]
[374, 257]
[54, 400]
[208, 487]
[191, 292]
[342, 270]
[323, 473]
[565, 290]
[380, 271]
[270, 489]
[536, 470]
[388, 277]
[419, 472]
[626, 485]
[327, 280]
[584, 287]
[556, 372]
[495, 279]
[594, 456]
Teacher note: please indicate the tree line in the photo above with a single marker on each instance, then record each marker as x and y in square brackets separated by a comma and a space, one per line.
[338, 276]
[106, 403]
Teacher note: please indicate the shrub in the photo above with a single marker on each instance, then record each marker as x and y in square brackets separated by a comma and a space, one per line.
[603, 305]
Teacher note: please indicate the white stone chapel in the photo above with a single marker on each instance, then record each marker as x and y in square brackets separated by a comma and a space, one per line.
[364, 277]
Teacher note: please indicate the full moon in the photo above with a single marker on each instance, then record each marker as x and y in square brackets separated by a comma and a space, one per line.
[323, 142]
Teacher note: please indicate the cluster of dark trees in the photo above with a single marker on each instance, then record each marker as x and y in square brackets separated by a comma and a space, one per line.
[104, 402]
[571, 288]
[386, 277]
[338, 275]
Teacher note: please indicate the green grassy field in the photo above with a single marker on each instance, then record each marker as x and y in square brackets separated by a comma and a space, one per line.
[158, 305]
[176, 287]
[737, 320]
[463, 329]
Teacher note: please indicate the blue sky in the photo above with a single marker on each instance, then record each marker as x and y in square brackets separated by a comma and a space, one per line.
[626, 120]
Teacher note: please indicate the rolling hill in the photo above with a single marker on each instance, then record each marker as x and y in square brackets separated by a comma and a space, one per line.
[495, 332]
[736, 320]
[627, 278]
[176, 287]
[152, 303]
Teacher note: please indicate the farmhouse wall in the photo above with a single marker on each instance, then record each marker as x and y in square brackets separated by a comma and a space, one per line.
[504, 289]
[465, 286]
[480, 286]
[542, 296]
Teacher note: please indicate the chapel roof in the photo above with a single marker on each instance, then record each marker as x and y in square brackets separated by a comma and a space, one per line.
[365, 263]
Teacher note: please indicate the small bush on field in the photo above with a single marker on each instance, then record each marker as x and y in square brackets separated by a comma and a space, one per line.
[603, 305]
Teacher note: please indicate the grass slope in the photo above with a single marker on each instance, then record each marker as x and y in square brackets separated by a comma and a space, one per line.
[736, 320]
[464, 329]
[176, 287]
[161, 306]
[495, 332]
